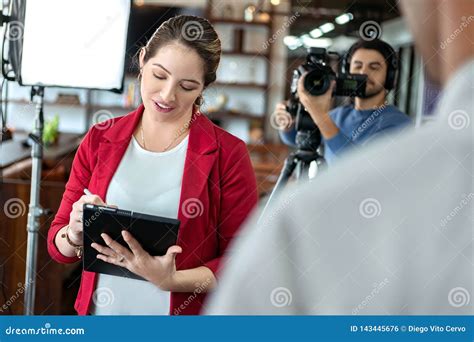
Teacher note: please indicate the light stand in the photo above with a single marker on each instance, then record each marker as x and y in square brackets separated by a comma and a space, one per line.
[35, 211]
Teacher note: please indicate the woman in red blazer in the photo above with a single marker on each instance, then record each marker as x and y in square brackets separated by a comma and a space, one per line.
[176, 65]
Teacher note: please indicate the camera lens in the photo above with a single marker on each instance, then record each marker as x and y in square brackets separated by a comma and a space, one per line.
[317, 82]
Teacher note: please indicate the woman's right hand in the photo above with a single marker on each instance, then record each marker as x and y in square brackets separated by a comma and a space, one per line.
[75, 218]
[283, 118]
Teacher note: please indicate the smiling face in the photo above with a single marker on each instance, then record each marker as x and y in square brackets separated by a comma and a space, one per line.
[171, 81]
[371, 63]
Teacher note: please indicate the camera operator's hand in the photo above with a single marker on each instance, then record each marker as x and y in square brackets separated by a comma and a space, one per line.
[318, 107]
[283, 118]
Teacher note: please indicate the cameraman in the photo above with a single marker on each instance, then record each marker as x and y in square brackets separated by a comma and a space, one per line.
[369, 116]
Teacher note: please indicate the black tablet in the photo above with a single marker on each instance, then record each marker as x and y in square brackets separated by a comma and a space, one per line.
[154, 233]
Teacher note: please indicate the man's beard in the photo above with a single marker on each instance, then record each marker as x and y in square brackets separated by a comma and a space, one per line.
[374, 92]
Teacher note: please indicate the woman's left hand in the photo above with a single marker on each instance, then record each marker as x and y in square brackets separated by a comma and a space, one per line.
[159, 270]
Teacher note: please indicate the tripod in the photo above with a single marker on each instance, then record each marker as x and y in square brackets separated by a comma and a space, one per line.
[308, 151]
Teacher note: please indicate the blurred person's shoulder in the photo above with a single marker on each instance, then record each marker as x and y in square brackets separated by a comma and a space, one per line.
[458, 96]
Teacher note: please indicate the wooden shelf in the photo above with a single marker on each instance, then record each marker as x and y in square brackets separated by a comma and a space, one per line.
[241, 85]
[46, 103]
[245, 54]
[239, 22]
[238, 33]
[77, 105]
[234, 115]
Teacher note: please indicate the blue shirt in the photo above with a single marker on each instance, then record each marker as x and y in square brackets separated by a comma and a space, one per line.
[356, 127]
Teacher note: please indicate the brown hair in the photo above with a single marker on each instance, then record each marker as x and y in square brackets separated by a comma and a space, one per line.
[191, 31]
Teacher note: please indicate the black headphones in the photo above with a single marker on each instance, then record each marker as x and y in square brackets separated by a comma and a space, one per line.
[391, 58]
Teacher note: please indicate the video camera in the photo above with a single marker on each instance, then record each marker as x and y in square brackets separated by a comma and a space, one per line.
[316, 82]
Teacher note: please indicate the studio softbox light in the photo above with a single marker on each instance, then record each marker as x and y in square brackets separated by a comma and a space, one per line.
[72, 43]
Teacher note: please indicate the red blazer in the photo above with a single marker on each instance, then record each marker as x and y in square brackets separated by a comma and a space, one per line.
[217, 172]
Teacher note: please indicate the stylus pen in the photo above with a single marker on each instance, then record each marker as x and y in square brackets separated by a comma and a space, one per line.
[88, 193]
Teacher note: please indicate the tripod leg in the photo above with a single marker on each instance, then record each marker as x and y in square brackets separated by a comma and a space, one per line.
[302, 173]
[288, 168]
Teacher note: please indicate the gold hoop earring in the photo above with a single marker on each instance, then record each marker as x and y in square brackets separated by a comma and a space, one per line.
[199, 101]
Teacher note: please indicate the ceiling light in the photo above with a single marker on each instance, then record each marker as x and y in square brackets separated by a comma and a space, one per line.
[328, 27]
[316, 33]
[344, 18]
[311, 42]
[292, 42]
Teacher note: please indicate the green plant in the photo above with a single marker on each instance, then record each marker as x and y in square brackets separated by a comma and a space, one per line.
[50, 131]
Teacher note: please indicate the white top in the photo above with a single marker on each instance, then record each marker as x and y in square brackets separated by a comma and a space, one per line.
[388, 231]
[150, 183]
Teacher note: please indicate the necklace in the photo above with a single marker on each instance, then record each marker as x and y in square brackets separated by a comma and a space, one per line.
[180, 133]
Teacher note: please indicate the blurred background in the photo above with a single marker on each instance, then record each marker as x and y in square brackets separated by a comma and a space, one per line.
[263, 41]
